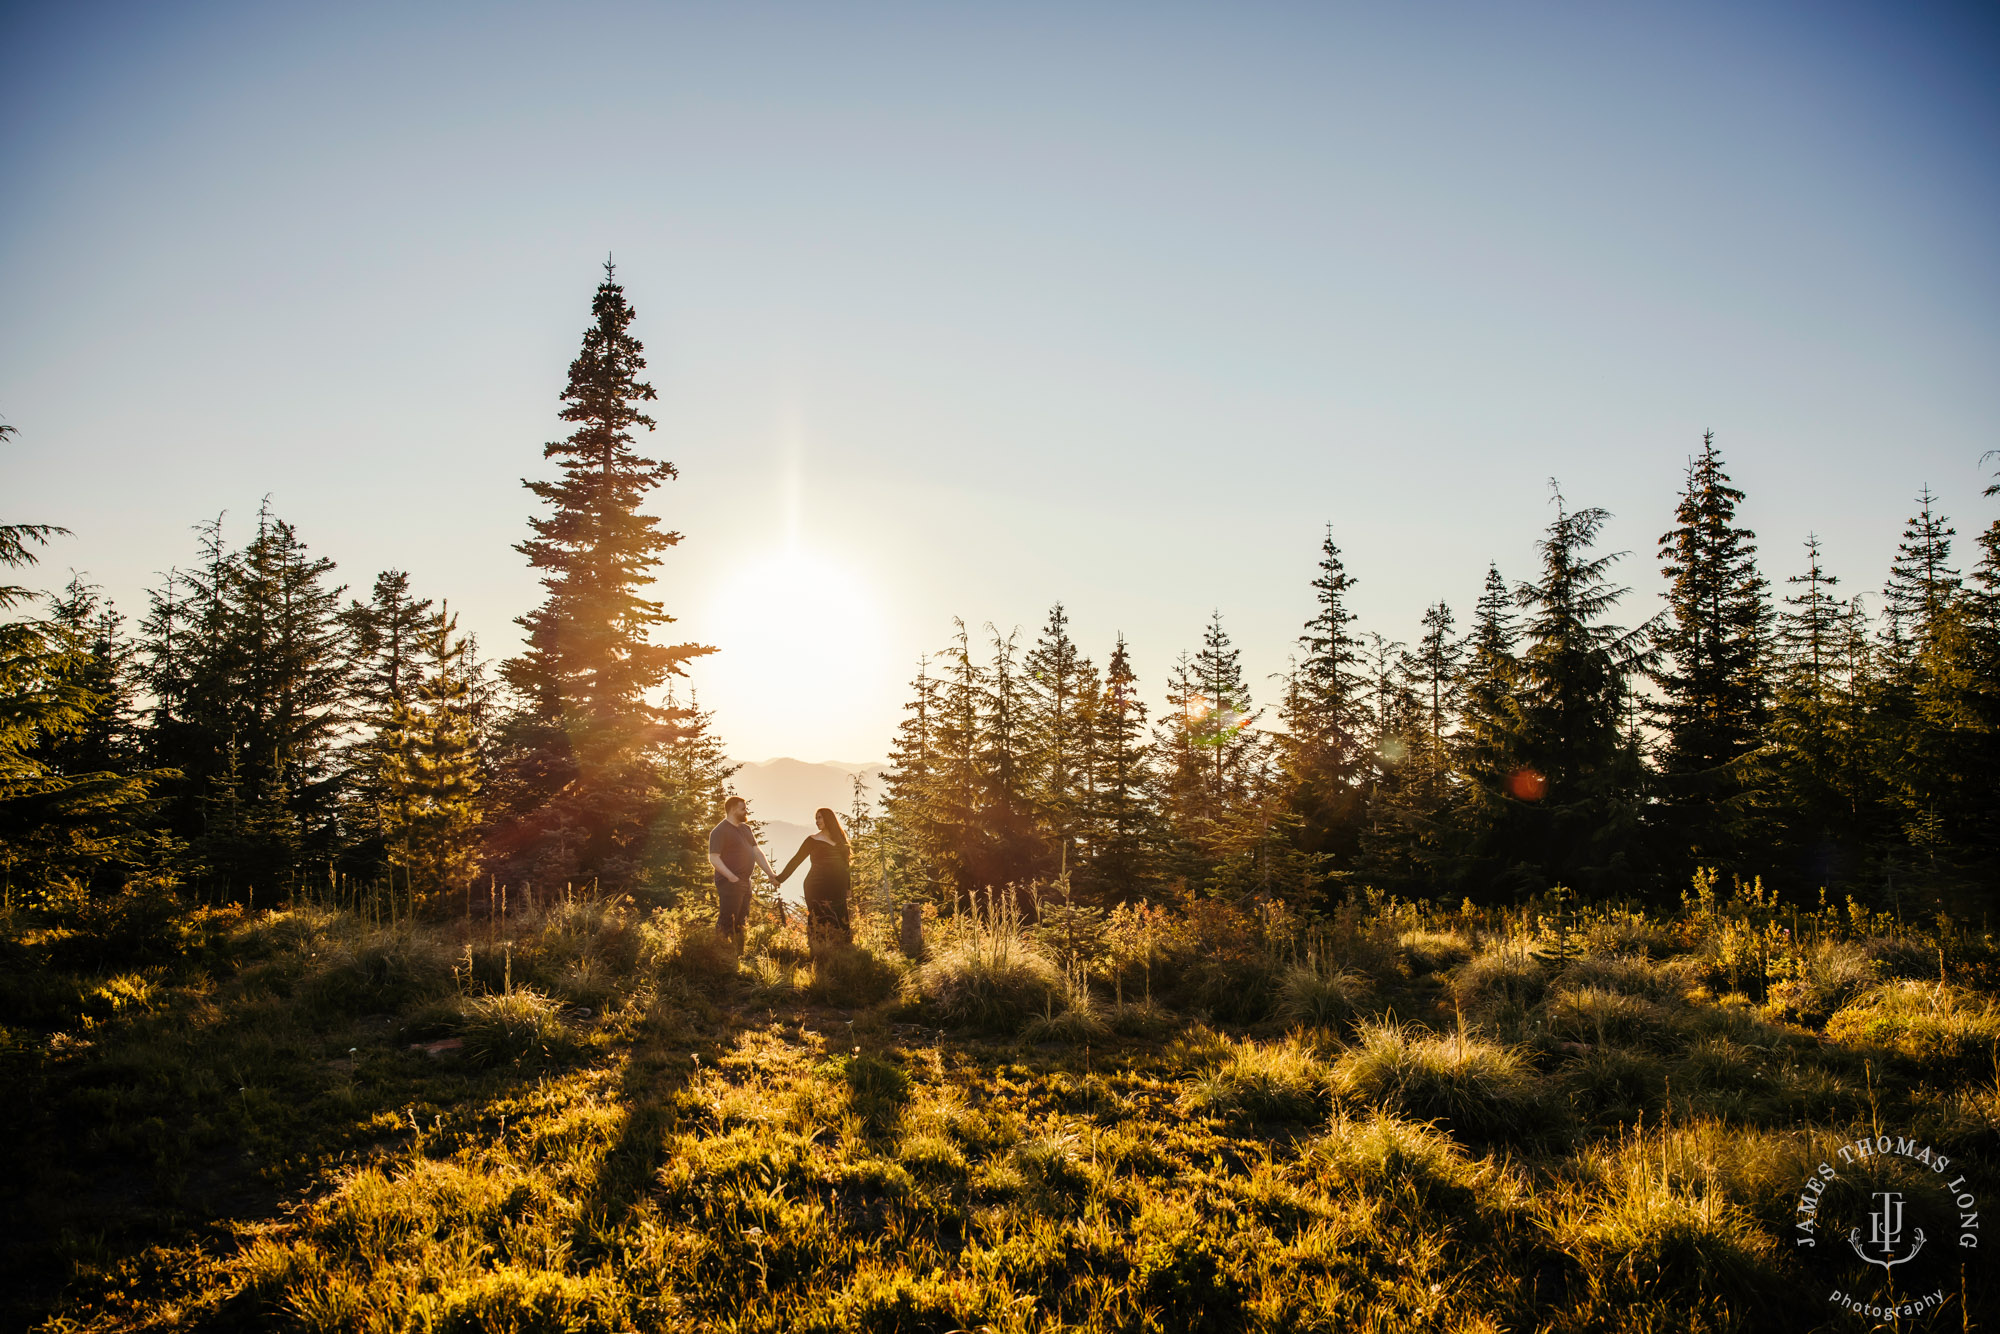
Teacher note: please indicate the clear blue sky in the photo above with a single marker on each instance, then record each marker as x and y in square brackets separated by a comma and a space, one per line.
[961, 309]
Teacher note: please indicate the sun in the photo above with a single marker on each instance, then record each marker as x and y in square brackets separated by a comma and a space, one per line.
[799, 639]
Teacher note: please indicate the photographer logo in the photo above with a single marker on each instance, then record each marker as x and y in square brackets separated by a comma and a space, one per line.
[1889, 1208]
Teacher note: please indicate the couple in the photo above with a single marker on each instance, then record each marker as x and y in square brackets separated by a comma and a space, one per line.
[734, 852]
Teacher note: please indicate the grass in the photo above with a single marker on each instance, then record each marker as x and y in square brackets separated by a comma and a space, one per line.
[1480, 1091]
[1264, 1081]
[1449, 1126]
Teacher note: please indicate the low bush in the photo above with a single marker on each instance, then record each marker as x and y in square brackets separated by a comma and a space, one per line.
[853, 977]
[987, 978]
[1942, 1031]
[1627, 974]
[1317, 995]
[1264, 1081]
[877, 1089]
[1648, 1234]
[1479, 1090]
[1818, 978]
[1434, 951]
[1597, 1016]
[521, 1027]
[1504, 976]
[383, 971]
[682, 942]
[1611, 1085]
[1405, 1161]
[1141, 1019]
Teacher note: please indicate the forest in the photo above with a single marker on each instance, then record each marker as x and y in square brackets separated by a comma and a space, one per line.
[253, 733]
[1504, 979]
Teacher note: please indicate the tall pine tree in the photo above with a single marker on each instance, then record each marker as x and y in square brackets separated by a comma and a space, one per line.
[582, 776]
[1120, 829]
[1714, 695]
[1324, 714]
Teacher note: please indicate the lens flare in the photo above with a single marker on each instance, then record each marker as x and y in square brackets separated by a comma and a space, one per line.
[1527, 785]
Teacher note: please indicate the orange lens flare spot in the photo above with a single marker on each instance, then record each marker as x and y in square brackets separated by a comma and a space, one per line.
[1527, 785]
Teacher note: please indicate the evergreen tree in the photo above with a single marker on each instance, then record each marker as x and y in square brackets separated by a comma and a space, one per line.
[1223, 728]
[62, 822]
[695, 775]
[1910, 719]
[387, 635]
[1922, 583]
[1213, 772]
[1061, 692]
[1946, 694]
[1433, 670]
[1566, 808]
[1120, 824]
[1812, 728]
[107, 739]
[582, 777]
[1323, 715]
[950, 817]
[385, 642]
[1005, 846]
[429, 774]
[1490, 717]
[913, 845]
[1714, 696]
[291, 701]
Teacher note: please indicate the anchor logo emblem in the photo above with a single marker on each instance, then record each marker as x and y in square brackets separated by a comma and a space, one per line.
[1885, 1232]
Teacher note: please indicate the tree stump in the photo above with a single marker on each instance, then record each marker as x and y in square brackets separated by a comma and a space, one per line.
[913, 931]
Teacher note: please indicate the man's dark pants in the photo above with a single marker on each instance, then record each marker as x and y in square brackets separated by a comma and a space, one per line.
[732, 905]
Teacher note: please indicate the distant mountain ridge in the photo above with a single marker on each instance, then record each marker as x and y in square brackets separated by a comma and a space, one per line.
[788, 791]
[783, 794]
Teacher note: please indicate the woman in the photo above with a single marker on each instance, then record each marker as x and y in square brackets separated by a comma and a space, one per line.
[826, 882]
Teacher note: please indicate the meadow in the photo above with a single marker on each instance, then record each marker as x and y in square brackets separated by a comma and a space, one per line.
[592, 1114]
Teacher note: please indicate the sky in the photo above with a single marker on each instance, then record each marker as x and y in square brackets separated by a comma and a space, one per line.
[963, 310]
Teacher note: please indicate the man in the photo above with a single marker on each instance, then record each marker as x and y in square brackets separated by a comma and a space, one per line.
[733, 852]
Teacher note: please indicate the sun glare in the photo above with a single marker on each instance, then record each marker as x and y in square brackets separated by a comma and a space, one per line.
[799, 639]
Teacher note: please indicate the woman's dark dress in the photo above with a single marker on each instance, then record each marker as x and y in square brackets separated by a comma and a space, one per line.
[826, 881]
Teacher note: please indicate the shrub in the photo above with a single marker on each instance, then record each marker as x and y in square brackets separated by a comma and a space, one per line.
[1381, 1155]
[1627, 974]
[1947, 1031]
[1069, 1025]
[1900, 956]
[1141, 1019]
[528, 1301]
[1612, 1084]
[682, 942]
[1317, 995]
[1647, 1237]
[1634, 933]
[1185, 1271]
[986, 975]
[853, 977]
[518, 1027]
[877, 1089]
[1434, 951]
[386, 971]
[1597, 1015]
[1504, 976]
[1481, 1091]
[1269, 1081]
[1820, 977]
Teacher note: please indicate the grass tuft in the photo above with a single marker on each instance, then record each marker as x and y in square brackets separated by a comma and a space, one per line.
[518, 1028]
[1942, 1031]
[1264, 1081]
[1479, 1090]
[1318, 995]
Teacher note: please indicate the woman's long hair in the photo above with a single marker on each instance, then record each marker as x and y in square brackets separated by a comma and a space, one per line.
[829, 824]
